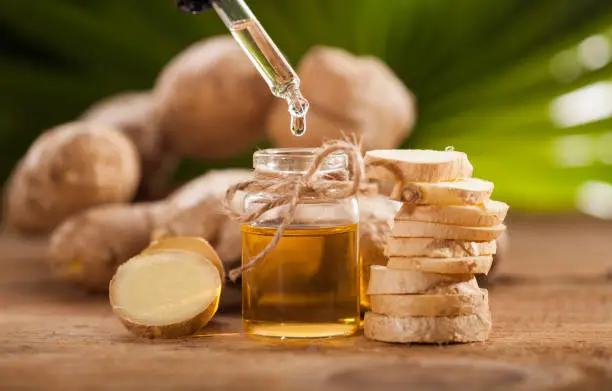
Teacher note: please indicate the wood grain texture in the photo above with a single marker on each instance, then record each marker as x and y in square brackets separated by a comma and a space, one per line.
[552, 330]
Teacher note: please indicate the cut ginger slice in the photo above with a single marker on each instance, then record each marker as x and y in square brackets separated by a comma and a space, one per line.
[188, 243]
[422, 229]
[489, 214]
[166, 294]
[417, 165]
[472, 191]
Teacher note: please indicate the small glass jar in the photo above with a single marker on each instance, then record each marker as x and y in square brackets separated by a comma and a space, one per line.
[308, 286]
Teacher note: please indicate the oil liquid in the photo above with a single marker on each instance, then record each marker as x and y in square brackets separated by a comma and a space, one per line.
[274, 68]
[307, 287]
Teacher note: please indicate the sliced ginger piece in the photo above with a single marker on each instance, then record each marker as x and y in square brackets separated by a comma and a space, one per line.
[488, 214]
[387, 281]
[420, 229]
[428, 329]
[417, 165]
[469, 303]
[438, 248]
[472, 191]
[466, 265]
[166, 294]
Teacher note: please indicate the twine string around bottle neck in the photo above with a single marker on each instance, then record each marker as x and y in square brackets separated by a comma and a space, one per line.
[290, 190]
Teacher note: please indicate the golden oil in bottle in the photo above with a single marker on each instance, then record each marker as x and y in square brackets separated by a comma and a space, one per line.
[306, 287]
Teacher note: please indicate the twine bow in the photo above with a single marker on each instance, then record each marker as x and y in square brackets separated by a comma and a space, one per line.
[294, 188]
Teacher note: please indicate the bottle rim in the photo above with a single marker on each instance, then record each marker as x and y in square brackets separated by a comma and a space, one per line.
[296, 160]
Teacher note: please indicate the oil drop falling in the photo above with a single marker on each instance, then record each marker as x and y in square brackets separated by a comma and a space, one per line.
[298, 125]
[298, 108]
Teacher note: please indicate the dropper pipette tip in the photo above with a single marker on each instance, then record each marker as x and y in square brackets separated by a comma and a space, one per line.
[298, 107]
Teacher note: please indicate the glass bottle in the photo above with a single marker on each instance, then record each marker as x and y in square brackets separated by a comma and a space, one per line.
[307, 286]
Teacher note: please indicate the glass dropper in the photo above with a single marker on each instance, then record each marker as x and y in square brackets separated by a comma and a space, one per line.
[263, 53]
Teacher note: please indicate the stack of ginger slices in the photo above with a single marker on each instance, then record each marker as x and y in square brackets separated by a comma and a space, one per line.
[444, 233]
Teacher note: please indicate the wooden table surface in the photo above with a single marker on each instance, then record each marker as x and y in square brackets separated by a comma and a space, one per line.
[552, 314]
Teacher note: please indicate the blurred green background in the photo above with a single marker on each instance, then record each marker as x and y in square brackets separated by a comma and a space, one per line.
[487, 75]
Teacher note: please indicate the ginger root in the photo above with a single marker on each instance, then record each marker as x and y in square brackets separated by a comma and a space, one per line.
[437, 248]
[170, 290]
[428, 329]
[386, 281]
[417, 165]
[348, 95]
[421, 229]
[132, 114]
[487, 214]
[68, 169]
[89, 247]
[210, 101]
[427, 304]
[464, 265]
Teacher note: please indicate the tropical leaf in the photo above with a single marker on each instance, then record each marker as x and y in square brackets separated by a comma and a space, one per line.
[482, 72]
